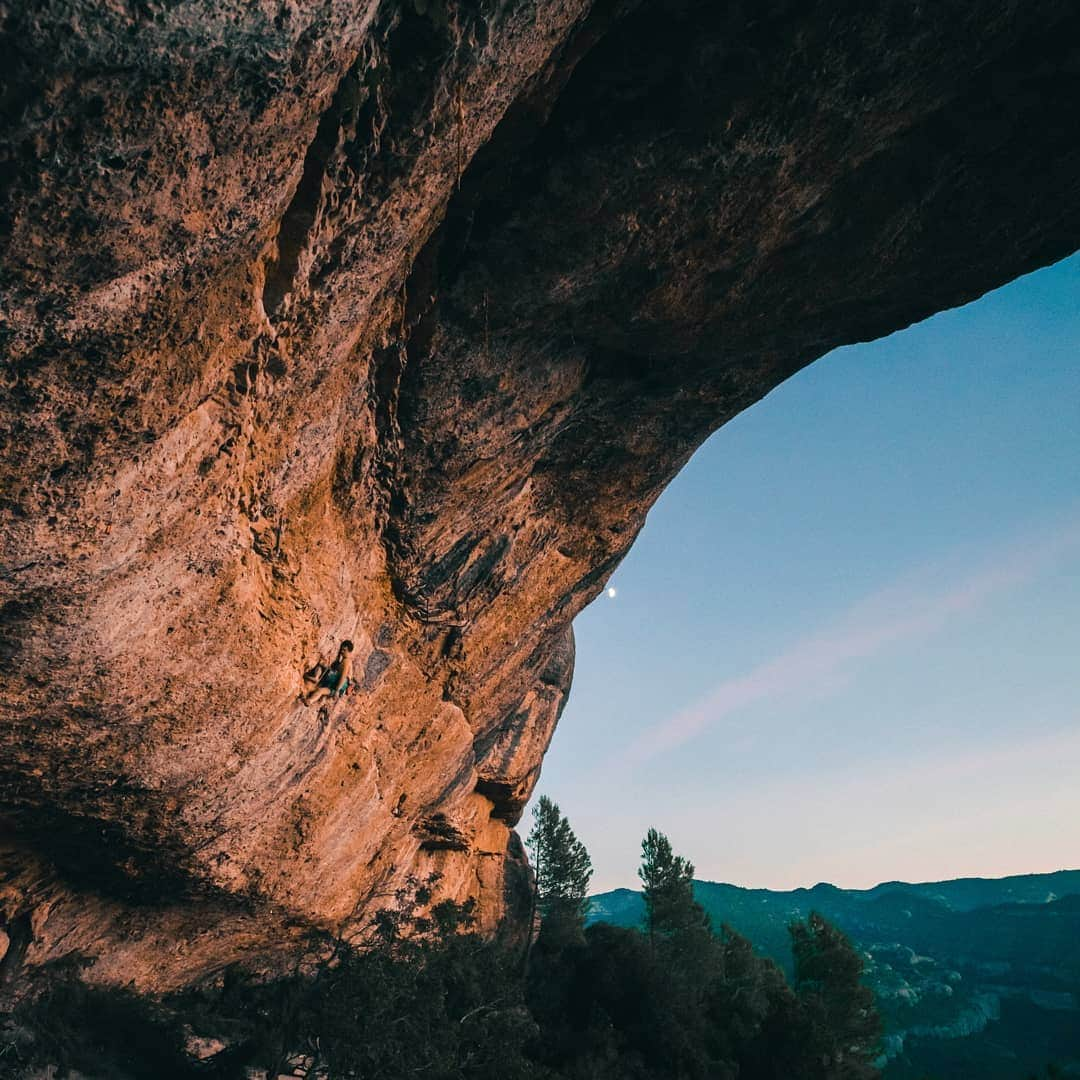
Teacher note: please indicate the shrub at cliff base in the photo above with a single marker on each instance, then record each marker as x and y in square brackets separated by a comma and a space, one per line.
[421, 995]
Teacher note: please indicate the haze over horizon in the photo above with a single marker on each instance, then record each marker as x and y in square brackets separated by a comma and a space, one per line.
[843, 647]
[636, 886]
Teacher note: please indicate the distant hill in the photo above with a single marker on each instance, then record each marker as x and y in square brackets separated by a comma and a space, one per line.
[977, 977]
[964, 894]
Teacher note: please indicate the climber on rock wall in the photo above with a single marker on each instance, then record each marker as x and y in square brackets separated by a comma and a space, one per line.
[330, 681]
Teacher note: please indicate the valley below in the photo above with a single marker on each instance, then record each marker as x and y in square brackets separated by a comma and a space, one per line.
[976, 979]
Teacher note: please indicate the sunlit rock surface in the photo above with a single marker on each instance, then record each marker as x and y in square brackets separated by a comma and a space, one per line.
[390, 321]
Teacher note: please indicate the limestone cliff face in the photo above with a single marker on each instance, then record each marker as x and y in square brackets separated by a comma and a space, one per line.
[390, 321]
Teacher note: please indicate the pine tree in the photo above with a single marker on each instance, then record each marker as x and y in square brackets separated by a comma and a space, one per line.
[668, 882]
[563, 870]
[828, 980]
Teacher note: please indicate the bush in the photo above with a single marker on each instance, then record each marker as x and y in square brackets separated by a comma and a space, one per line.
[424, 996]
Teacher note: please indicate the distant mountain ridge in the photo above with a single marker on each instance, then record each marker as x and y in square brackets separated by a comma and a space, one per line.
[959, 894]
[965, 894]
[975, 977]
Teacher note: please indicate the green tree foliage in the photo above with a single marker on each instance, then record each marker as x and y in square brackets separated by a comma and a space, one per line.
[844, 1026]
[563, 871]
[668, 883]
[415, 992]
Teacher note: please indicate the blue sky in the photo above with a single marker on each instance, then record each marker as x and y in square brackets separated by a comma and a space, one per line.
[846, 645]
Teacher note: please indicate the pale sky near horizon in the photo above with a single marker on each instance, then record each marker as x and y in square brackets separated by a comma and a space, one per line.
[846, 646]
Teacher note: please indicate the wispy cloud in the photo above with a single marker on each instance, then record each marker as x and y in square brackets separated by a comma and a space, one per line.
[908, 610]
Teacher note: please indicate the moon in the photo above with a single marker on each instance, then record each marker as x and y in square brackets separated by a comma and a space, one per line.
[612, 592]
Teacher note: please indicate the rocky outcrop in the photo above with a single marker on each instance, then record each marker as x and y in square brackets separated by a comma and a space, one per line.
[390, 321]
